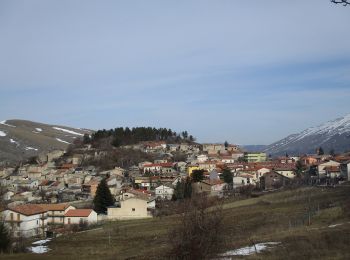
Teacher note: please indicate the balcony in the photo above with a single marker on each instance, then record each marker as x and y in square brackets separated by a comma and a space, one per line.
[55, 215]
[13, 220]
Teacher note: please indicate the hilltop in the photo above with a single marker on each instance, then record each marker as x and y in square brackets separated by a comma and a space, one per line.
[21, 139]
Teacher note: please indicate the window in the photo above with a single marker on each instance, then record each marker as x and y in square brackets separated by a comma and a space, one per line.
[18, 224]
[133, 209]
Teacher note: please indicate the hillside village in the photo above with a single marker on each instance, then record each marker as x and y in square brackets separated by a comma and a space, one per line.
[53, 193]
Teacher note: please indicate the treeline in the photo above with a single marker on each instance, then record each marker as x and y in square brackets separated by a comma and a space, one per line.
[125, 136]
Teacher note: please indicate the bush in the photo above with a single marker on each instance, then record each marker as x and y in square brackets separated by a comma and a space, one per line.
[199, 234]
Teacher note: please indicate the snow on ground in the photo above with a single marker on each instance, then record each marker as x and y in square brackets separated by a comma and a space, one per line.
[67, 131]
[39, 247]
[38, 129]
[39, 242]
[14, 142]
[4, 123]
[249, 250]
[335, 225]
[2, 133]
[62, 141]
[31, 148]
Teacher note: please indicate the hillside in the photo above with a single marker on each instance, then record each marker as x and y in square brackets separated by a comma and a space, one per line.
[333, 134]
[280, 217]
[20, 139]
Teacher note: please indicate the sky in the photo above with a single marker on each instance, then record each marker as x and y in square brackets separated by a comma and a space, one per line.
[249, 72]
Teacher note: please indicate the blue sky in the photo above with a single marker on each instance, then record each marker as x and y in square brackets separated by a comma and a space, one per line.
[250, 72]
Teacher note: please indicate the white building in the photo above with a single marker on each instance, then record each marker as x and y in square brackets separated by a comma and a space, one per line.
[243, 179]
[322, 167]
[56, 212]
[26, 220]
[202, 158]
[164, 192]
[132, 208]
[76, 216]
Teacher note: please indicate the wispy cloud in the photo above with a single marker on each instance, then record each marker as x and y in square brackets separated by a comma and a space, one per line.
[245, 71]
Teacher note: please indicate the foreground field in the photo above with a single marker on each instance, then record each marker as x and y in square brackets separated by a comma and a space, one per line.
[309, 223]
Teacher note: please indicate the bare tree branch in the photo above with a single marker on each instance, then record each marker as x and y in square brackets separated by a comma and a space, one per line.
[344, 2]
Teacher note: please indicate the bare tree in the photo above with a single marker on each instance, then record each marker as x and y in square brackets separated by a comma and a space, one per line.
[199, 234]
[344, 2]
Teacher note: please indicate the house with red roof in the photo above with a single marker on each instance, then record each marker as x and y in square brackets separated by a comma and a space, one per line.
[27, 220]
[211, 187]
[76, 216]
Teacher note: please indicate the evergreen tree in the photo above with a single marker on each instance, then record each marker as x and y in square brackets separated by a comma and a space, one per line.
[86, 139]
[179, 190]
[103, 197]
[187, 188]
[5, 240]
[320, 151]
[227, 176]
[299, 168]
[226, 145]
[197, 175]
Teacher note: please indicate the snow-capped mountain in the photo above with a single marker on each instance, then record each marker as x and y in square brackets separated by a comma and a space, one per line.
[334, 134]
[20, 139]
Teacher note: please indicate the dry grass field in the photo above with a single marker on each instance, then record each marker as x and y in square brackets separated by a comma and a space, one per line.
[299, 219]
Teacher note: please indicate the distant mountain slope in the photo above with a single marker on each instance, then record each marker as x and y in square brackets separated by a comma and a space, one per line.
[334, 134]
[253, 148]
[20, 139]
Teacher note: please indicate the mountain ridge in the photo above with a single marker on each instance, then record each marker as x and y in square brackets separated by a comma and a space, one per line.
[333, 134]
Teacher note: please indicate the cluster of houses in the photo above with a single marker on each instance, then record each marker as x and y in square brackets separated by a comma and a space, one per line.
[43, 197]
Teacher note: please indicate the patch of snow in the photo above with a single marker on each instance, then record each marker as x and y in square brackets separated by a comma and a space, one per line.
[39, 242]
[38, 129]
[67, 131]
[4, 123]
[335, 225]
[39, 248]
[2, 133]
[14, 142]
[31, 148]
[249, 250]
[62, 141]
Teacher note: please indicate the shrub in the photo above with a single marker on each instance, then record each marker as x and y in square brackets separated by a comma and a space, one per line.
[199, 234]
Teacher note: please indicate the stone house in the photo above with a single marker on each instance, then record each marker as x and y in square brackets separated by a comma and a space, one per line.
[273, 180]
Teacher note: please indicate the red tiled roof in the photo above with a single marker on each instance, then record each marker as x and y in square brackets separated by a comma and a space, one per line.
[78, 213]
[28, 209]
[55, 207]
[332, 168]
[44, 183]
[68, 166]
[213, 182]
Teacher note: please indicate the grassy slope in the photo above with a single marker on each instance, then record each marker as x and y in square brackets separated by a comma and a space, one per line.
[262, 219]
